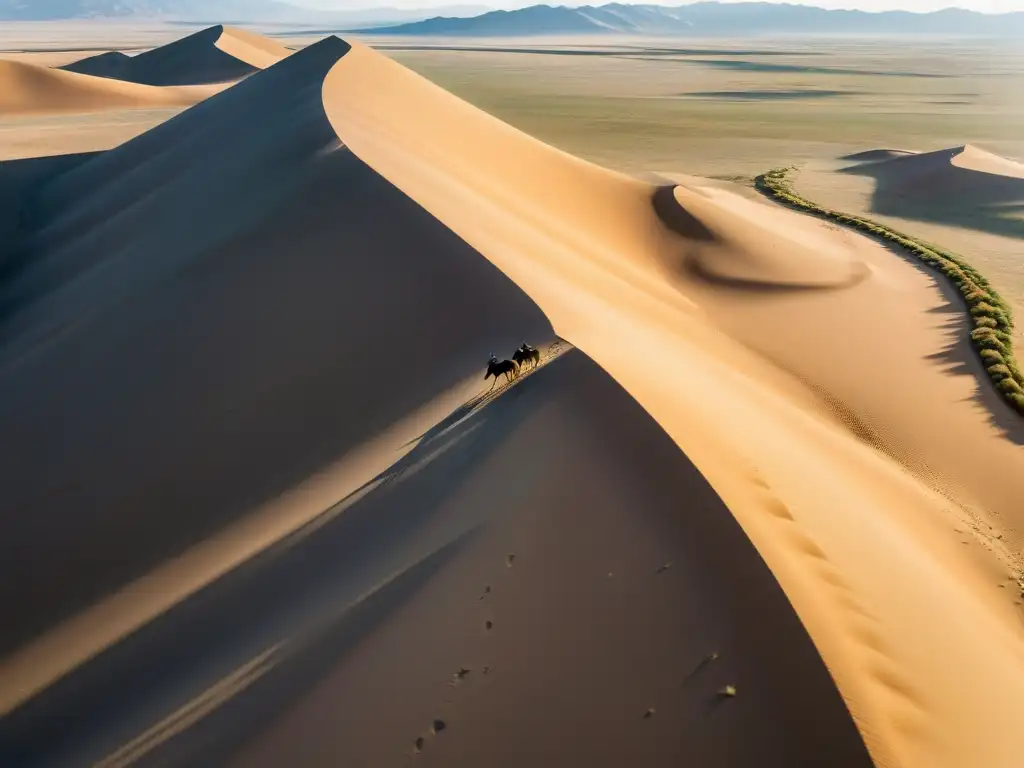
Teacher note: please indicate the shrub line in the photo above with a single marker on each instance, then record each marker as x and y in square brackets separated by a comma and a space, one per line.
[991, 316]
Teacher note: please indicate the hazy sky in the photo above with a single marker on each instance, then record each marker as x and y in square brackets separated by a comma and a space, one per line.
[986, 6]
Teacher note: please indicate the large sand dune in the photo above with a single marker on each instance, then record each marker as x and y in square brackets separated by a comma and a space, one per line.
[215, 55]
[948, 172]
[964, 186]
[280, 514]
[32, 89]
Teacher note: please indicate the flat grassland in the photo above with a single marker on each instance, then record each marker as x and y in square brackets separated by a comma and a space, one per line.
[735, 108]
[719, 108]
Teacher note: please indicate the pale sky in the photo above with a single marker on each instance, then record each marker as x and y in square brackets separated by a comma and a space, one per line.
[985, 6]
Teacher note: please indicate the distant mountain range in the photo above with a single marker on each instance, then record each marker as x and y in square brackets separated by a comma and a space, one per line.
[270, 11]
[709, 18]
[699, 19]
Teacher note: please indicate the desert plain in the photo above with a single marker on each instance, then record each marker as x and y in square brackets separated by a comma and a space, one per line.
[760, 504]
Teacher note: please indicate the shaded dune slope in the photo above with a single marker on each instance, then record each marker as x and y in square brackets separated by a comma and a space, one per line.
[368, 618]
[28, 88]
[219, 384]
[214, 55]
[189, 370]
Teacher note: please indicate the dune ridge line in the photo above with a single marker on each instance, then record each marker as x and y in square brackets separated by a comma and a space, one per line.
[992, 337]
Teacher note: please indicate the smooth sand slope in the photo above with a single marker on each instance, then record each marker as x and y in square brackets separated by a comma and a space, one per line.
[31, 89]
[214, 55]
[735, 409]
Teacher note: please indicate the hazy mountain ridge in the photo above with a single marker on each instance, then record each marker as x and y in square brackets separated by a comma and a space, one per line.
[218, 10]
[715, 19]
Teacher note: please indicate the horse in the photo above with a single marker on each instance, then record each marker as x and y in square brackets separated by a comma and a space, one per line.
[508, 367]
[525, 353]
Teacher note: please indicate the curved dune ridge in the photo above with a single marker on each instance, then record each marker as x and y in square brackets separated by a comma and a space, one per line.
[746, 244]
[975, 159]
[215, 55]
[270, 536]
[31, 89]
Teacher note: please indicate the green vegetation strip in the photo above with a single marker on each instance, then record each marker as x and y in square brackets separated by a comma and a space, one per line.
[993, 321]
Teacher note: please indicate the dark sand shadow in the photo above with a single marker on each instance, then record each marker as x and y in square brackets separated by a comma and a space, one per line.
[766, 95]
[303, 590]
[19, 179]
[739, 65]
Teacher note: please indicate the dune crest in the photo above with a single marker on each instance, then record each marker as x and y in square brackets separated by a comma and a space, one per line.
[979, 160]
[215, 55]
[30, 89]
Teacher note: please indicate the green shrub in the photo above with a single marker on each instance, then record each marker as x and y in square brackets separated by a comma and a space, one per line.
[999, 372]
[989, 341]
[985, 322]
[1009, 385]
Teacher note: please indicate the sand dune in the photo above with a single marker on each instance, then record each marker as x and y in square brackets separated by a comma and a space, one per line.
[975, 159]
[281, 513]
[963, 186]
[215, 55]
[947, 173]
[28, 89]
